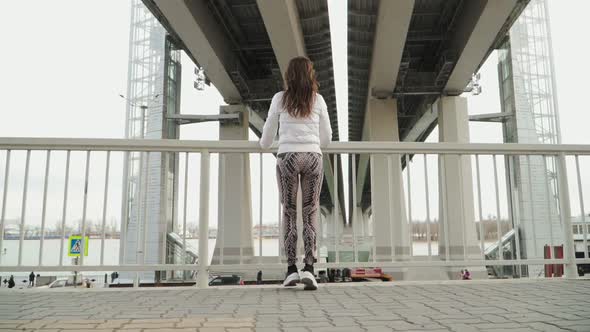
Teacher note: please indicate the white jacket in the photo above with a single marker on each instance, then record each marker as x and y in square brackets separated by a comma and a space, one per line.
[308, 134]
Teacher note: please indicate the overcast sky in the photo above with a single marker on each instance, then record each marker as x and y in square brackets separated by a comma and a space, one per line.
[64, 64]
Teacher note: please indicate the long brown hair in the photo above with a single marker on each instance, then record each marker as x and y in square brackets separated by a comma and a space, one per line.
[300, 87]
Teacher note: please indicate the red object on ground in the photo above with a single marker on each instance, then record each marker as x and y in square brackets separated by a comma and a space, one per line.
[558, 268]
[553, 270]
[375, 272]
[548, 267]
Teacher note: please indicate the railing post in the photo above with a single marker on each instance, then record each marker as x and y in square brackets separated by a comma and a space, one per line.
[392, 211]
[355, 221]
[124, 209]
[64, 210]
[202, 274]
[571, 271]
[336, 207]
[84, 210]
[427, 201]
[479, 208]
[105, 200]
[44, 209]
[221, 217]
[23, 210]
[184, 206]
[498, 223]
[260, 212]
[4, 196]
[581, 197]
[410, 225]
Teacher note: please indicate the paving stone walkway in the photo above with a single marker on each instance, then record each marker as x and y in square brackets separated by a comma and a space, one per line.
[496, 305]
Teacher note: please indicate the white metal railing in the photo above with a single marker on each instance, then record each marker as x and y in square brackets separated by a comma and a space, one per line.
[559, 155]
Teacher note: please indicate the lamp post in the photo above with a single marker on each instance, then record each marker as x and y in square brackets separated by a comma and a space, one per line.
[139, 251]
[143, 111]
[141, 179]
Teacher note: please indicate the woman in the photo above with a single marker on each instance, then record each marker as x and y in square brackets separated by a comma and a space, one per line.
[304, 129]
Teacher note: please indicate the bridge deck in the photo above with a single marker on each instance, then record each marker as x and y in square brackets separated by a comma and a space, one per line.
[515, 305]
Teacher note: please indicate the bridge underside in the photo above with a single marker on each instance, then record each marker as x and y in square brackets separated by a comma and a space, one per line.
[411, 52]
[416, 51]
[244, 46]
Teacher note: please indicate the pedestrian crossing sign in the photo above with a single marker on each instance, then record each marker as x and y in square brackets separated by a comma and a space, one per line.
[75, 245]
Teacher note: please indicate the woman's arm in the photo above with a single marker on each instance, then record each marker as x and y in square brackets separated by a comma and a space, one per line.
[325, 127]
[271, 124]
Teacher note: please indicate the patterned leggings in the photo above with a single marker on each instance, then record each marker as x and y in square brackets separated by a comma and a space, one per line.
[291, 168]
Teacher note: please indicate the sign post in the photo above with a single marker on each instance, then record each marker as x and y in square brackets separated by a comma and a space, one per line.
[74, 248]
[75, 245]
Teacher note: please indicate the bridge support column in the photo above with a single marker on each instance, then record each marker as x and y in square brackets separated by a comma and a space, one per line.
[457, 235]
[234, 237]
[387, 198]
[360, 229]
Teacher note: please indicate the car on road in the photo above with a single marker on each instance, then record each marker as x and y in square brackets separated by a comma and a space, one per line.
[59, 283]
[226, 279]
[63, 282]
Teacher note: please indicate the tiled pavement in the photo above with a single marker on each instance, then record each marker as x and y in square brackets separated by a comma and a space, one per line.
[499, 305]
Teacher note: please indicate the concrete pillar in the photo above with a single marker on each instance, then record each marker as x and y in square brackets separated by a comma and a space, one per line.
[456, 212]
[387, 198]
[234, 237]
[366, 223]
[363, 230]
[358, 221]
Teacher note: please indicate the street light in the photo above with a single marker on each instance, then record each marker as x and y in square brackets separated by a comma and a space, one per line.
[475, 84]
[137, 199]
[143, 111]
[201, 79]
[139, 178]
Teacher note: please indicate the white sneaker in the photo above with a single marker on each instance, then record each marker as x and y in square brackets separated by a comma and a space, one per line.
[308, 279]
[291, 280]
